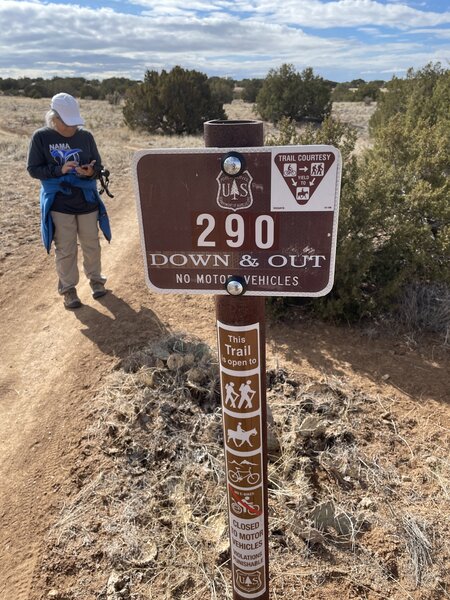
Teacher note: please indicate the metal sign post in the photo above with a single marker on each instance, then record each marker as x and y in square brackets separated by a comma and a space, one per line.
[241, 221]
[241, 343]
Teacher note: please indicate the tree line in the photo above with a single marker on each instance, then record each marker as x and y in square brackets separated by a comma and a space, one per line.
[225, 88]
[77, 86]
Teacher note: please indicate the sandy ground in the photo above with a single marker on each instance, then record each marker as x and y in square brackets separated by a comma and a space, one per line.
[53, 362]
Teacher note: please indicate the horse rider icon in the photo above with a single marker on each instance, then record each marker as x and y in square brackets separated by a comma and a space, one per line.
[247, 394]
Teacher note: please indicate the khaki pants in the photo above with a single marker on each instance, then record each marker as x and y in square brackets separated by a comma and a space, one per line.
[67, 229]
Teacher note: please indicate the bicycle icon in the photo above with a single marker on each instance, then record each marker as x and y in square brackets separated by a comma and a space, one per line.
[239, 475]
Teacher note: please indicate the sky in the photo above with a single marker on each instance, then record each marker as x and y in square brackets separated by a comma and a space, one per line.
[341, 40]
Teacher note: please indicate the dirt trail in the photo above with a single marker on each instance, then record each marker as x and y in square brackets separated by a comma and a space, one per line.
[52, 362]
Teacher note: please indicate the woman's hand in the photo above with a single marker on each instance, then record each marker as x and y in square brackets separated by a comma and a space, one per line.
[86, 170]
[69, 167]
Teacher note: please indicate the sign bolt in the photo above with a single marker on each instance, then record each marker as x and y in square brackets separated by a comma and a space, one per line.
[233, 164]
[235, 286]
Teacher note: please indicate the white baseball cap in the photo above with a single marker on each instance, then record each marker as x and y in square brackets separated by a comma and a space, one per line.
[67, 108]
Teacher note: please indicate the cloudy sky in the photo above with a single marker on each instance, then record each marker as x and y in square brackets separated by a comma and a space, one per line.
[341, 39]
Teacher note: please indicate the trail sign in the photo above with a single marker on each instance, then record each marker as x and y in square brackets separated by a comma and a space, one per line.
[273, 224]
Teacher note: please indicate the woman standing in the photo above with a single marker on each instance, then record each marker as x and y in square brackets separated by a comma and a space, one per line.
[66, 160]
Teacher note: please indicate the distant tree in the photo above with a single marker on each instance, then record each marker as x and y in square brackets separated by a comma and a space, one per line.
[9, 86]
[91, 91]
[287, 93]
[250, 89]
[357, 83]
[179, 101]
[77, 86]
[115, 85]
[342, 93]
[316, 95]
[369, 91]
[222, 89]
[69, 85]
[36, 89]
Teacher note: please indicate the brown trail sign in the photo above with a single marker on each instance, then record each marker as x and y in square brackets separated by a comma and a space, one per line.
[274, 225]
[241, 221]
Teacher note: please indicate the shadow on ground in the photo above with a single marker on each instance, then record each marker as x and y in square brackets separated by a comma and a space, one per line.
[121, 331]
[419, 369]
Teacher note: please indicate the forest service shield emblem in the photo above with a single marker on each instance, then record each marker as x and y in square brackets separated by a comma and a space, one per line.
[234, 193]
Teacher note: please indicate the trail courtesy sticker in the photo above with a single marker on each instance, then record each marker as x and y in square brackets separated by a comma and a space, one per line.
[304, 180]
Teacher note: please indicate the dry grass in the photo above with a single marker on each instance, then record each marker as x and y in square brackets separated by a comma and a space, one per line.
[346, 511]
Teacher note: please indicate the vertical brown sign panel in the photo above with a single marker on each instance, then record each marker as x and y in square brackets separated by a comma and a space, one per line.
[241, 380]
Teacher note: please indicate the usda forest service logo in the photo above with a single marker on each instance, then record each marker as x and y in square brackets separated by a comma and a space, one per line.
[248, 581]
[234, 193]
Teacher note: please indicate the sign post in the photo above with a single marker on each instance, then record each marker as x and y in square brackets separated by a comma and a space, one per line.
[241, 221]
[242, 343]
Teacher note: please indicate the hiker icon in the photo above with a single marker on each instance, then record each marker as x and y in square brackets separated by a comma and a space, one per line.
[317, 169]
[247, 394]
[231, 396]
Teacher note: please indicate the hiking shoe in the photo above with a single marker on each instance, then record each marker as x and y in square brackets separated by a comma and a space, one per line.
[71, 299]
[98, 289]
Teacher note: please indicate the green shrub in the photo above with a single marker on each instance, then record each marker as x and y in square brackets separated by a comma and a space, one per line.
[179, 101]
[287, 93]
[394, 221]
[250, 89]
[222, 89]
[407, 174]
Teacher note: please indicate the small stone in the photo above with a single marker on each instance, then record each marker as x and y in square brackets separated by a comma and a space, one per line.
[147, 377]
[273, 443]
[197, 376]
[431, 461]
[311, 424]
[189, 360]
[385, 377]
[175, 362]
[367, 503]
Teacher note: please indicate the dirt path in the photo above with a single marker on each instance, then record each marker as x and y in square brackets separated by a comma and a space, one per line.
[52, 362]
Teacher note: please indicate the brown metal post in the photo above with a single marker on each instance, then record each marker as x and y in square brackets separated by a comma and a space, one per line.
[241, 341]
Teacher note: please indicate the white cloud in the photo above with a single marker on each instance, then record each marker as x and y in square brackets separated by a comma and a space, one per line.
[240, 38]
[311, 13]
[350, 13]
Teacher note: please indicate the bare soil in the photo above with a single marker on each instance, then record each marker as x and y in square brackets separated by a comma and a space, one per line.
[69, 379]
